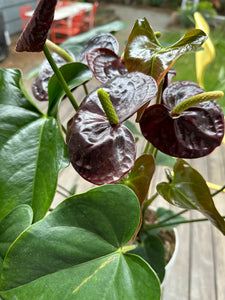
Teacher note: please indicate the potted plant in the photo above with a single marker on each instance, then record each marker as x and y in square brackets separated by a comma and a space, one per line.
[98, 245]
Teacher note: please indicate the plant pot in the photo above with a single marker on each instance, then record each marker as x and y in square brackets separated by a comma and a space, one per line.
[172, 260]
[170, 241]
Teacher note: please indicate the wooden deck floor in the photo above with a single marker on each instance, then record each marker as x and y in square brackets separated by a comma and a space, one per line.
[199, 269]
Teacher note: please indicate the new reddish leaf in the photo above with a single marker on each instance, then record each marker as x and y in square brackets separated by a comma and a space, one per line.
[193, 133]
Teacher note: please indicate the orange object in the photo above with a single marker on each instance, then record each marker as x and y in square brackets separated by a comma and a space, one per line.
[25, 19]
[62, 3]
[63, 29]
[89, 18]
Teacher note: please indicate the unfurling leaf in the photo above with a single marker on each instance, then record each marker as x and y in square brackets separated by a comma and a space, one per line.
[189, 190]
[35, 33]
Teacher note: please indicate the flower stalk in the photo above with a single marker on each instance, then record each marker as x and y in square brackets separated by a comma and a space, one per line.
[60, 77]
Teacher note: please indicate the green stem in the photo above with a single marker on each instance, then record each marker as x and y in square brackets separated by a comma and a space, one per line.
[60, 77]
[159, 94]
[65, 190]
[164, 222]
[217, 192]
[62, 194]
[146, 205]
[154, 226]
[61, 52]
[85, 89]
[149, 201]
[147, 148]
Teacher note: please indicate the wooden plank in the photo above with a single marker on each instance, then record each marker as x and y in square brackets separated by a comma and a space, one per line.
[202, 284]
[216, 174]
[177, 282]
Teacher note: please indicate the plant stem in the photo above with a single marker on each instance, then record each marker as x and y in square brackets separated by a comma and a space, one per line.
[154, 226]
[85, 88]
[63, 188]
[60, 77]
[147, 148]
[61, 52]
[149, 201]
[217, 192]
[62, 194]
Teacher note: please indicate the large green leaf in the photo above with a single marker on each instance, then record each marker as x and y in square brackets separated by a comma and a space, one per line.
[74, 74]
[152, 250]
[32, 150]
[77, 252]
[144, 53]
[75, 44]
[189, 190]
[13, 225]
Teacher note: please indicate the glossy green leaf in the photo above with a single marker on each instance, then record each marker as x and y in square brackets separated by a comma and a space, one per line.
[32, 150]
[139, 178]
[13, 225]
[144, 53]
[152, 250]
[74, 74]
[81, 243]
[76, 43]
[189, 190]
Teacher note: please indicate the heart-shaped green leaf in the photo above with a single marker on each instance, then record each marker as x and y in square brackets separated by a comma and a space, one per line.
[32, 150]
[144, 53]
[13, 225]
[74, 74]
[152, 250]
[189, 190]
[77, 251]
[139, 178]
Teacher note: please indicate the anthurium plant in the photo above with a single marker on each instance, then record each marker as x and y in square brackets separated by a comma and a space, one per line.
[98, 245]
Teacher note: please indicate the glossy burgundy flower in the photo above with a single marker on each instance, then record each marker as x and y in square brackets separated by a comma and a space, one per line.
[105, 64]
[191, 134]
[100, 152]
